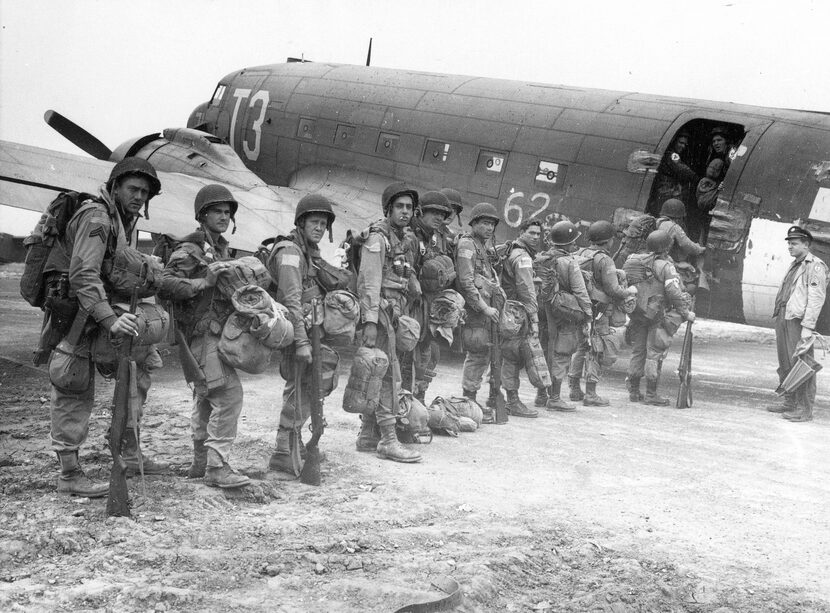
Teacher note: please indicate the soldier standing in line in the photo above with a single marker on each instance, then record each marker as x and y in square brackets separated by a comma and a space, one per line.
[597, 350]
[292, 266]
[97, 231]
[797, 308]
[434, 210]
[386, 285]
[651, 328]
[479, 285]
[563, 334]
[189, 280]
[517, 282]
[451, 235]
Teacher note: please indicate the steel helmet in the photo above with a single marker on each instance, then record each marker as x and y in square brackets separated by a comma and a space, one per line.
[454, 196]
[314, 203]
[673, 208]
[135, 166]
[600, 231]
[658, 241]
[564, 233]
[395, 190]
[213, 194]
[484, 210]
[435, 201]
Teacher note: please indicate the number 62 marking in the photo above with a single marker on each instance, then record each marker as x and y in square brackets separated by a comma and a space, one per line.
[517, 211]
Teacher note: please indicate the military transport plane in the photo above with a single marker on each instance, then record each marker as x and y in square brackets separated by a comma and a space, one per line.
[274, 133]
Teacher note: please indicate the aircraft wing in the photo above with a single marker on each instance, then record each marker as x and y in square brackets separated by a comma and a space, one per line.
[30, 178]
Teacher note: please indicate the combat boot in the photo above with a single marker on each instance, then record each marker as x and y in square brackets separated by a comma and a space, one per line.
[74, 482]
[471, 394]
[199, 463]
[516, 407]
[391, 449]
[130, 455]
[632, 384]
[788, 406]
[541, 397]
[652, 397]
[281, 458]
[369, 435]
[556, 403]
[225, 477]
[591, 398]
[576, 392]
[805, 414]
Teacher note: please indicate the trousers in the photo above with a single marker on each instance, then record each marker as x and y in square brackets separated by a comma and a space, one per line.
[787, 336]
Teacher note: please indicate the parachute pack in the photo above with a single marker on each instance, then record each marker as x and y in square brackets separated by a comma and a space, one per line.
[639, 269]
[634, 236]
[44, 252]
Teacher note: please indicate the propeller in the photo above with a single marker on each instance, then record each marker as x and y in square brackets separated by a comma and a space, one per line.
[77, 135]
[369, 55]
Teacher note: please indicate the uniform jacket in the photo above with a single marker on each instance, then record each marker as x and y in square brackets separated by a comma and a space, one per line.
[517, 278]
[198, 308]
[290, 265]
[476, 279]
[92, 235]
[809, 290]
[682, 246]
[386, 262]
[605, 272]
[666, 275]
[429, 242]
[571, 279]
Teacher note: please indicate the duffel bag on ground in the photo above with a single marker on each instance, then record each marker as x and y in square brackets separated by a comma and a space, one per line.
[362, 392]
[461, 407]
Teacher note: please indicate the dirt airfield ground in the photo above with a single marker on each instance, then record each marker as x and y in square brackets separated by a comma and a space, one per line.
[721, 507]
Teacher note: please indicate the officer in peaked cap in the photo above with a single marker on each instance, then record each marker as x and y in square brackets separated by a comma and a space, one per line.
[797, 308]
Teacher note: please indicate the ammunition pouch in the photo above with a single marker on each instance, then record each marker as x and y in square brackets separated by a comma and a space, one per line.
[70, 369]
[442, 420]
[604, 349]
[534, 361]
[239, 348]
[128, 270]
[362, 392]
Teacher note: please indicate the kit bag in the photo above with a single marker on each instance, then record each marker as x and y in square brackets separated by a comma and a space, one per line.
[407, 333]
[70, 368]
[534, 361]
[437, 273]
[412, 420]
[362, 392]
[130, 269]
[248, 270]
[341, 312]
[513, 320]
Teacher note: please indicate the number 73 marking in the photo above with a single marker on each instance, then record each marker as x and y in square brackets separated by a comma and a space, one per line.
[262, 97]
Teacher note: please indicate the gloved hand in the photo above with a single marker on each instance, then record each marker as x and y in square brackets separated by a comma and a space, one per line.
[303, 354]
[370, 334]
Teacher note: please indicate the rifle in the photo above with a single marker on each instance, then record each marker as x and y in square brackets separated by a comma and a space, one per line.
[118, 503]
[495, 375]
[684, 371]
[310, 474]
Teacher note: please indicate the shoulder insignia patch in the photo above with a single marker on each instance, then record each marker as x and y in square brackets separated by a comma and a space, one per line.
[98, 231]
[524, 262]
[372, 247]
[290, 259]
[467, 254]
[675, 157]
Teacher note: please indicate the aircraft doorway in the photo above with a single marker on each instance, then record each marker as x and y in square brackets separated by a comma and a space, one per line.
[693, 168]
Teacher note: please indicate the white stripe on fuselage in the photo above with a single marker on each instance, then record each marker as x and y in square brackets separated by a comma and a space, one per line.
[765, 265]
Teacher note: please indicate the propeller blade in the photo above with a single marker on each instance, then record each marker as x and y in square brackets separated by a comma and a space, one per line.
[369, 55]
[77, 135]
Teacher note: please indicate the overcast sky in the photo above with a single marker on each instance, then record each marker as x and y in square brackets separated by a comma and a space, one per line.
[123, 69]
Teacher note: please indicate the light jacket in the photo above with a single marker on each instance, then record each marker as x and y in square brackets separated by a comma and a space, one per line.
[809, 291]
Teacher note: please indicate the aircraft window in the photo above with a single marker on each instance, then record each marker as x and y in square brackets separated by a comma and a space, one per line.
[490, 161]
[218, 94]
[306, 128]
[387, 144]
[547, 172]
[344, 135]
[436, 152]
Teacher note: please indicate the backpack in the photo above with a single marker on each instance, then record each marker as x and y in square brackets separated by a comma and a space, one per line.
[639, 269]
[544, 269]
[44, 248]
[634, 236]
[585, 259]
